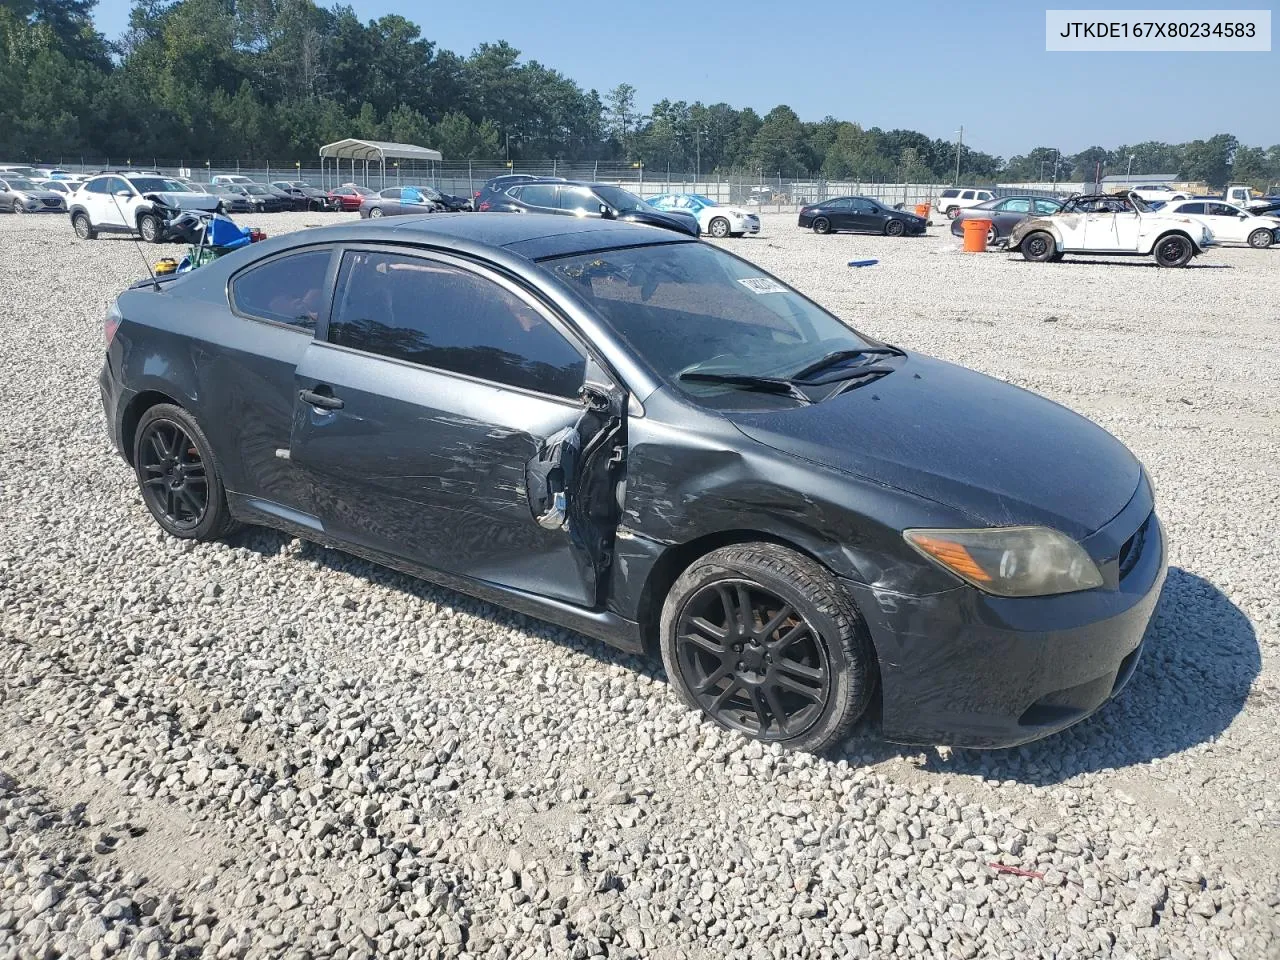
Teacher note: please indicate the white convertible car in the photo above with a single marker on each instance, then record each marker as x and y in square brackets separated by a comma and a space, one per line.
[1228, 222]
[1112, 225]
[714, 219]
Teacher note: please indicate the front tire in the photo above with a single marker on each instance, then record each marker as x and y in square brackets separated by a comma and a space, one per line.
[822, 225]
[1038, 247]
[83, 227]
[1261, 238]
[178, 476]
[895, 228]
[1174, 250]
[766, 642]
[718, 228]
[150, 228]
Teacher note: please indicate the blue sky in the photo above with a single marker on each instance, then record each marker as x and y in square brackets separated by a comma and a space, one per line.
[919, 65]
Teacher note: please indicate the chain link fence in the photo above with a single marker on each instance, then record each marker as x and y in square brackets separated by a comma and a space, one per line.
[466, 177]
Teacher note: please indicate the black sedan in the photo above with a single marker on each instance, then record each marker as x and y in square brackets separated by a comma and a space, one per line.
[862, 214]
[260, 199]
[579, 199]
[1005, 213]
[646, 439]
[305, 196]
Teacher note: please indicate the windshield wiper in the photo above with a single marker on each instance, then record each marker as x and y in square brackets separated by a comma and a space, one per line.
[838, 356]
[748, 382]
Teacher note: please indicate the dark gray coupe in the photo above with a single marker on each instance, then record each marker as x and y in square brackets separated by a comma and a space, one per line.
[639, 436]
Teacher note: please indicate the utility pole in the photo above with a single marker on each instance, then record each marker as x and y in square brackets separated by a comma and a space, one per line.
[959, 147]
[1128, 171]
[1057, 155]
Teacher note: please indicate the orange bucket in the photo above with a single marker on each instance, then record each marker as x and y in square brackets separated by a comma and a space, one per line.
[922, 210]
[975, 235]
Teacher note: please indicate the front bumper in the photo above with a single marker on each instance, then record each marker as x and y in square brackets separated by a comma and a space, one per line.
[969, 669]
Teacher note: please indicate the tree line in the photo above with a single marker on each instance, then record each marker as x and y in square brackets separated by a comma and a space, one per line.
[271, 80]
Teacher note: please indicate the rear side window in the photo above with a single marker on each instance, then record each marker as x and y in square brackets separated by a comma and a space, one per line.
[287, 289]
[950, 193]
[1192, 208]
[539, 195]
[437, 315]
[967, 195]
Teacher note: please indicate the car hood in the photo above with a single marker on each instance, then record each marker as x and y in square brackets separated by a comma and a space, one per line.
[187, 201]
[39, 194]
[676, 219]
[1001, 454]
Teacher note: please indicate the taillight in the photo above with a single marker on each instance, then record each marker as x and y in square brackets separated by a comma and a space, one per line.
[484, 205]
[112, 323]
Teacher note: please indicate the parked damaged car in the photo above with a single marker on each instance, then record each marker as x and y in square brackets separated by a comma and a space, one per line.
[1005, 213]
[642, 437]
[1114, 226]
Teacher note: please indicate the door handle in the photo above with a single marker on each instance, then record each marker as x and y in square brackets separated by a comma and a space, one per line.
[321, 400]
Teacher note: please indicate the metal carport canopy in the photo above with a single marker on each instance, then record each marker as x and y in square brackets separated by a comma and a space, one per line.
[377, 150]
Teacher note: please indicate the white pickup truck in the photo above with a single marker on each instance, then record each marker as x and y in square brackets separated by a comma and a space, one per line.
[1249, 199]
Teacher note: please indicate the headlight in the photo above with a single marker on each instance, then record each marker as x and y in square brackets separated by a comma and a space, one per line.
[1010, 561]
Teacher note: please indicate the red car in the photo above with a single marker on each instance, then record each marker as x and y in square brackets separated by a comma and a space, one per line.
[351, 196]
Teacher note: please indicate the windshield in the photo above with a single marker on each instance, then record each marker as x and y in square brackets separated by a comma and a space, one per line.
[17, 183]
[620, 199]
[157, 185]
[693, 308]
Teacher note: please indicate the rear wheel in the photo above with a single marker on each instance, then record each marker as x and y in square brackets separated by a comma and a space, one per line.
[1261, 238]
[766, 642]
[992, 235]
[1174, 250]
[375, 213]
[178, 476]
[718, 228]
[895, 228]
[84, 227]
[953, 212]
[1038, 247]
[822, 225]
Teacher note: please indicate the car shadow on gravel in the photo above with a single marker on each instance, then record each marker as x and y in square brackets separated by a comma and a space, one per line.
[1124, 263]
[1196, 671]
[270, 543]
[1194, 676]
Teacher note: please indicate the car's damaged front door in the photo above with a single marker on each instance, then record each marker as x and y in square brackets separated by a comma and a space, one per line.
[442, 418]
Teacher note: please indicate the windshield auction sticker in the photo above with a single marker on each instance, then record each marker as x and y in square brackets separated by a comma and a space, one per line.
[1156, 30]
[762, 285]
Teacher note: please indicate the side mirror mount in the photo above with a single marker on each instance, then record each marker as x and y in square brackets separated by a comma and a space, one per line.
[123, 193]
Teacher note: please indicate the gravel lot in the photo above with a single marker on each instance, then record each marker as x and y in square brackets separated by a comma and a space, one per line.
[264, 748]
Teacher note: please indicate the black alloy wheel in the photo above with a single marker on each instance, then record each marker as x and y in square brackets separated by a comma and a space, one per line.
[178, 475]
[1173, 251]
[767, 642]
[754, 664]
[895, 228]
[173, 479]
[1038, 246]
[822, 225]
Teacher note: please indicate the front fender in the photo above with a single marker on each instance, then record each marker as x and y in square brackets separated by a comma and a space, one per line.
[1022, 229]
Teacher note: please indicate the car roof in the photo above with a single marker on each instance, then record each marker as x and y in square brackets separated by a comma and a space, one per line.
[531, 236]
